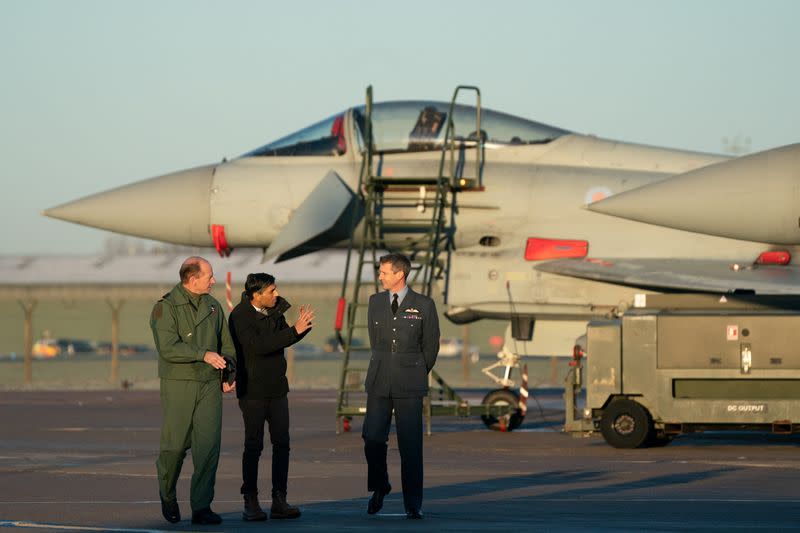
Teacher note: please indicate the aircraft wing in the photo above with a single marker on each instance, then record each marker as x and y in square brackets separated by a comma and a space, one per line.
[681, 274]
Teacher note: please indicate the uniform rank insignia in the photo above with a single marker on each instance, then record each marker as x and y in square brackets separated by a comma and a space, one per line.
[412, 314]
[213, 308]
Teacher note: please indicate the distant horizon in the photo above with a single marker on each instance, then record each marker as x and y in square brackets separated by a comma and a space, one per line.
[102, 94]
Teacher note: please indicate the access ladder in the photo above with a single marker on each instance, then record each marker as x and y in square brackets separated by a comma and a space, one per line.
[421, 227]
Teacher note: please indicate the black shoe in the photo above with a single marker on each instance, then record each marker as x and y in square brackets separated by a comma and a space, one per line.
[413, 514]
[206, 517]
[280, 509]
[376, 501]
[171, 511]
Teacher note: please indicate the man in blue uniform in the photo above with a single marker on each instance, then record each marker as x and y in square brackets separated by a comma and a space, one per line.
[404, 337]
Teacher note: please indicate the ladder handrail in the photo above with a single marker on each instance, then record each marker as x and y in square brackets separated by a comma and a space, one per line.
[366, 168]
[449, 145]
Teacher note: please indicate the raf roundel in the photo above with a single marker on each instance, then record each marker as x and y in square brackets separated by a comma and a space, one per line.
[595, 194]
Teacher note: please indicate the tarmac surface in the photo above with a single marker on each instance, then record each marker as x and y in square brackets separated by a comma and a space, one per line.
[84, 461]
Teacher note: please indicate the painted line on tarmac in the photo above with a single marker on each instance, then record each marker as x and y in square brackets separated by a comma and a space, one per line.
[99, 473]
[780, 465]
[87, 502]
[357, 501]
[80, 429]
[41, 525]
[133, 502]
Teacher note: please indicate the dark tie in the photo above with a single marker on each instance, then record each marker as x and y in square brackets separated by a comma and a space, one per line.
[394, 304]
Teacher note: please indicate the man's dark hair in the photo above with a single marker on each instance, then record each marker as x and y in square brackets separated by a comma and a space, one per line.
[398, 262]
[190, 268]
[257, 282]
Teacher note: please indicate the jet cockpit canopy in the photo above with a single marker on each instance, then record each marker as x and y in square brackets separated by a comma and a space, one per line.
[410, 126]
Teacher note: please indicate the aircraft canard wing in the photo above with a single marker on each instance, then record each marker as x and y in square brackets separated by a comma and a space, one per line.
[327, 216]
[681, 274]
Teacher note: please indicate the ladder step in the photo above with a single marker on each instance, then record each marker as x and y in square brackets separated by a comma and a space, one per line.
[404, 196]
[411, 222]
[345, 411]
[408, 180]
[410, 202]
[404, 227]
[418, 221]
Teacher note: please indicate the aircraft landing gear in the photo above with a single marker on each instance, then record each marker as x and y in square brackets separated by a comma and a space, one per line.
[502, 400]
[504, 411]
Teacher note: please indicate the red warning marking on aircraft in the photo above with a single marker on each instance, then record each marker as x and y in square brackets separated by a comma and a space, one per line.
[538, 249]
[774, 257]
[220, 241]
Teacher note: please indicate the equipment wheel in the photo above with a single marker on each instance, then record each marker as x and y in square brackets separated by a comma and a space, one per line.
[626, 424]
[503, 398]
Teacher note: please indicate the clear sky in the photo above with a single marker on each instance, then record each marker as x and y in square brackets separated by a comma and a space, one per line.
[99, 93]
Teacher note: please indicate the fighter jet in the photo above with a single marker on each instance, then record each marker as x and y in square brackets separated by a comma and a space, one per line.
[553, 227]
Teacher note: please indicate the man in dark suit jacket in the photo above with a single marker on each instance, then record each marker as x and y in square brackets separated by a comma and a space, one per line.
[404, 337]
[260, 333]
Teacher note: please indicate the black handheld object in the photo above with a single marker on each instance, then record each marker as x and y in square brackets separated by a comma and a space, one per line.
[229, 372]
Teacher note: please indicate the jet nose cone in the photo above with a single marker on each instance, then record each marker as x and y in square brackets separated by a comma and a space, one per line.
[172, 208]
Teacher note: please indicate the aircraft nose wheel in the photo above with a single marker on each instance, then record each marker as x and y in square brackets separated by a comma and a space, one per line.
[508, 401]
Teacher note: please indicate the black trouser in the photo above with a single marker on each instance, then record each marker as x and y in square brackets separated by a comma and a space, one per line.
[275, 412]
[408, 422]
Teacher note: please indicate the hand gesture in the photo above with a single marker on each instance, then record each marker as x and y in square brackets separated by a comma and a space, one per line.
[304, 320]
[216, 360]
[228, 388]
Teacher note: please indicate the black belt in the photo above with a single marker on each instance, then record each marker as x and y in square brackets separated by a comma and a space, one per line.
[393, 351]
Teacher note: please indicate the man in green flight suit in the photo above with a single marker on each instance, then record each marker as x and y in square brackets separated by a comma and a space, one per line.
[194, 347]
